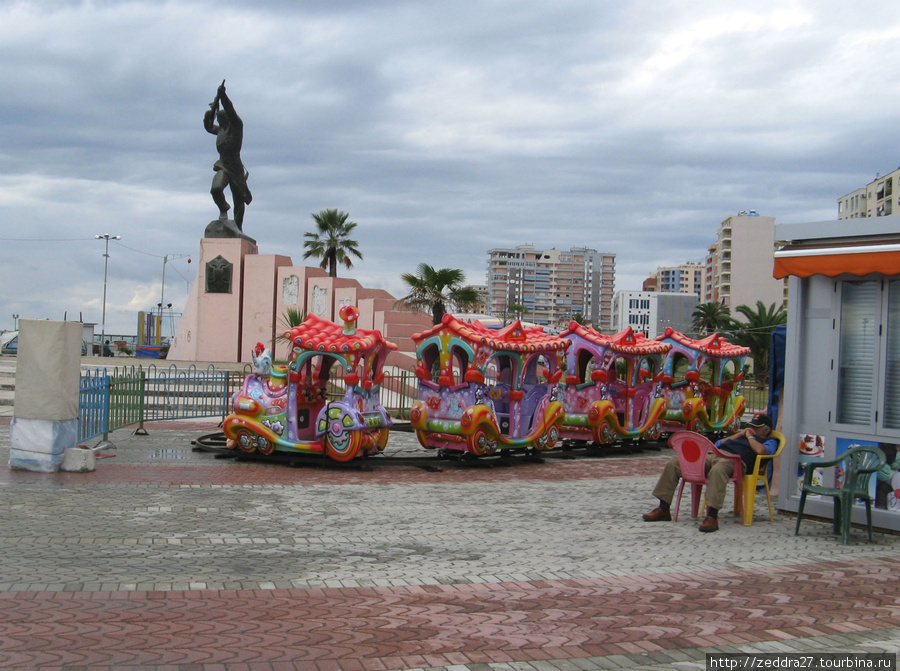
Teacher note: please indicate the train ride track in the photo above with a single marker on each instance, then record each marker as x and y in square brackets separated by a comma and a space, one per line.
[215, 443]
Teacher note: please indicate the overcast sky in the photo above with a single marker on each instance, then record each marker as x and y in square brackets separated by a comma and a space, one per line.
[443, 128]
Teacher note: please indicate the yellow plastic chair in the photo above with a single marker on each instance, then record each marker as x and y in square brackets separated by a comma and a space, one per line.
[760, 475]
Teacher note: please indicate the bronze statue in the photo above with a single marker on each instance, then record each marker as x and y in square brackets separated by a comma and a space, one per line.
[229, 169]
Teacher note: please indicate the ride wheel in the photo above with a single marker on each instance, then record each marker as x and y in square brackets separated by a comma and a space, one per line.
[548, 439]
[552, 436]
[264, 445]
[343, 445]
[604, 434]
[246, 440]
[653, 432]
[480, 443]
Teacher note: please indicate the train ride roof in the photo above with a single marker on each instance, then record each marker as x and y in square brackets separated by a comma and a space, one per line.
[627, 341]
[712, 345]
[317, 334]
[513, 337]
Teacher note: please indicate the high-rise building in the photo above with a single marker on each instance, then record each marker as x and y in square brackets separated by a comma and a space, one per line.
[879, 198]
[688, 278]
[553, 286]
[739, 264]
[650, 312]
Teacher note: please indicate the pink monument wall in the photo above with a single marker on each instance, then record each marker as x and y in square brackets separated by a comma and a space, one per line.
[225, 326]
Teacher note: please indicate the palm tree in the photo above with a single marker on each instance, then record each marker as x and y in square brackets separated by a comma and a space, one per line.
[332, 242]
[515, 310]
[435, 290]
[710, 318]
[757, 333]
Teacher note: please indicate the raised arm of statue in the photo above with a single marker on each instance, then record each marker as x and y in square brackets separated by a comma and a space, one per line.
[222, 97]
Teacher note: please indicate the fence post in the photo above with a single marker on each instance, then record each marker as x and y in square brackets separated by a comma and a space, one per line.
[227, 388]
[141, 431]
[106, 394]
[403, 388]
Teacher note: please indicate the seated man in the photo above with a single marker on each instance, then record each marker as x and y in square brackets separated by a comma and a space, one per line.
[746, 443]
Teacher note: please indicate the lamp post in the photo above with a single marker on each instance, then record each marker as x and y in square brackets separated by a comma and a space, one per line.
[107, 237]
[15, 322]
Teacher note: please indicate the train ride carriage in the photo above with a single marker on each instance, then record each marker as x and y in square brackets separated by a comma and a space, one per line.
[701, 383]
[486, 390]
[612, 386]
[289, 409]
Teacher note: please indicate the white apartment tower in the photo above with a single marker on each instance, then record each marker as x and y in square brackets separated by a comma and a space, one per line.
[879, 198]
[552, 285]
[651, 312]
[739, 263]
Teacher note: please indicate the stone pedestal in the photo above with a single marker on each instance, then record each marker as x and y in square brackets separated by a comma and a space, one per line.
[226, 228]
[210, 327]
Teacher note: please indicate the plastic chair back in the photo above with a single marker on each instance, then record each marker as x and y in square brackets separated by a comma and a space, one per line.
[692, 449]
[860, 464]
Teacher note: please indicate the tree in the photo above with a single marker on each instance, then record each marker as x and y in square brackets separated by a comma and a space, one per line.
[332, 242]
[515, 310]
[756, 333]
[437, 290]
[710, 318]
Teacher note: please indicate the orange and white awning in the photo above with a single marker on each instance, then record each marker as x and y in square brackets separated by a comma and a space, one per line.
[862, 259]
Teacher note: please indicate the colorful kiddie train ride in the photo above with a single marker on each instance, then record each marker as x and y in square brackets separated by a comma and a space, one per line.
[612, 386]
[288, 409]
[486, 390]
[701, 383]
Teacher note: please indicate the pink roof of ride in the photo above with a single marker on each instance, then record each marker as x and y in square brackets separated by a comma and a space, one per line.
[322, 335]
[714, 345]
[626, 341]
[514, 337]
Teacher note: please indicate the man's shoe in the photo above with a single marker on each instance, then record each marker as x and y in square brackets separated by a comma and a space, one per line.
[658, 515]
[709, 525]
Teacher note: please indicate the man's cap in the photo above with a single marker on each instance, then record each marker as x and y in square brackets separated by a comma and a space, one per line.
[761, 420]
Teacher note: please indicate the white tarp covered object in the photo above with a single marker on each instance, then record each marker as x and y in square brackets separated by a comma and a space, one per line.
[48, 369]
[45, 415]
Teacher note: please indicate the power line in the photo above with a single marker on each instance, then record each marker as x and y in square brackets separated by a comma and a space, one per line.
[44, 239]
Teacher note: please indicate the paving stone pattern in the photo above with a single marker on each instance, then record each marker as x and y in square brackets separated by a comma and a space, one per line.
[170, 558]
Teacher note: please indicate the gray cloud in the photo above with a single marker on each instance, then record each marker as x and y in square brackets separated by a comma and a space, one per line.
[444, 129]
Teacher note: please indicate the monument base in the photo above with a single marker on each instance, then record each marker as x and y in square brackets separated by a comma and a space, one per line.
[226, 228]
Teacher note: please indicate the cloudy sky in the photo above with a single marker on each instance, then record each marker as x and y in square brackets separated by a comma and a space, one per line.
[443, 128]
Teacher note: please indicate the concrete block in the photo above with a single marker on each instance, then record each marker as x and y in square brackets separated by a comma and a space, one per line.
[78, 460]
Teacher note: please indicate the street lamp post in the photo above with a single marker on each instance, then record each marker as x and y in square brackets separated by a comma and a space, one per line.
[107, 237]
[15, 322]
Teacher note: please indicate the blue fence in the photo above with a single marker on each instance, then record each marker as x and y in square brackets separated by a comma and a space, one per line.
[110, 400]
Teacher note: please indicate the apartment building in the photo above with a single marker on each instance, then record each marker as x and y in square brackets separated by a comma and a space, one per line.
[688, 278]
[879, 198]
[552, 285]
[739, 263]
[651, 312]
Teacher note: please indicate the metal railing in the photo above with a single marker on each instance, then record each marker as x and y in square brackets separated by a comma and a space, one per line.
[122, 397]
[757, 396]
[110, 400]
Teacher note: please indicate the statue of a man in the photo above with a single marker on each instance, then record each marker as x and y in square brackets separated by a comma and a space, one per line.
[229, 169]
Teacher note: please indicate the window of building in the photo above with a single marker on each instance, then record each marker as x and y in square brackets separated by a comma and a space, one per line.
[868, 366]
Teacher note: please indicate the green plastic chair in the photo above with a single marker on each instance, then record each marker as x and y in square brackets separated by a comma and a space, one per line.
[860, 464]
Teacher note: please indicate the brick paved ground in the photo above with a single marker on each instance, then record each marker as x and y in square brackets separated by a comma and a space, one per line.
[169, 558]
